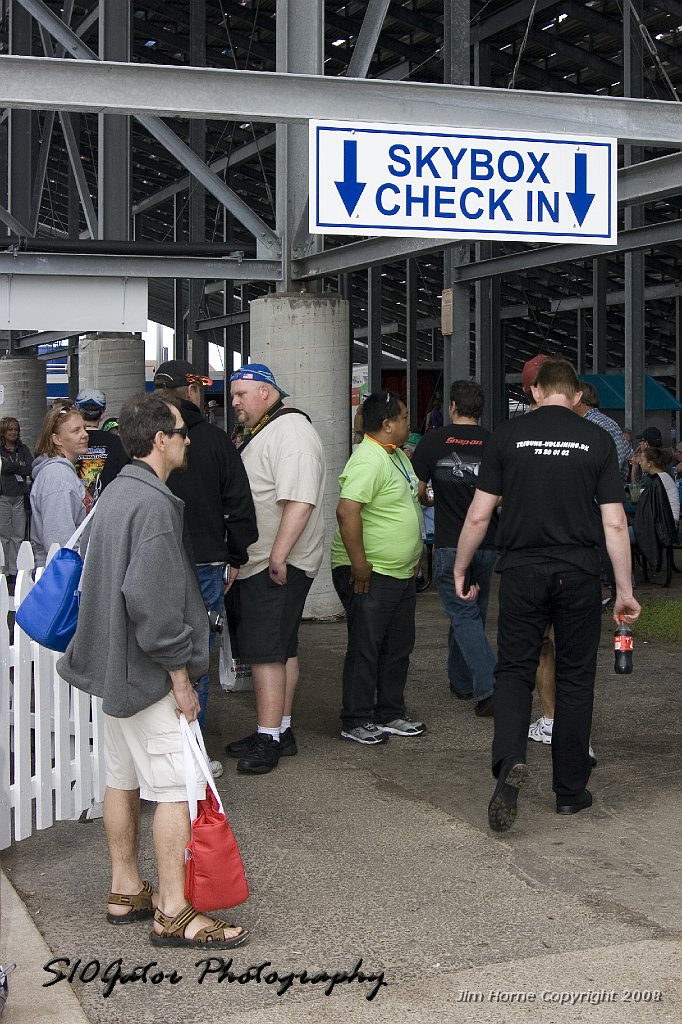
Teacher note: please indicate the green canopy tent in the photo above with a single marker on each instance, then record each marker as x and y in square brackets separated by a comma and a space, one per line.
[611, 390]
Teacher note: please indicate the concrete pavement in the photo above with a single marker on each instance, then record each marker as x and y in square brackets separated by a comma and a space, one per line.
[384, 855]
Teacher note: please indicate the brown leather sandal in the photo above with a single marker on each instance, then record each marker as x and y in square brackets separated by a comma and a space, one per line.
[141, 908]
[173, 933]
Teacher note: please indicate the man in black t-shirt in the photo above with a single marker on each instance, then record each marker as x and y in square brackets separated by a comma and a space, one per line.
[548, 468]
[450, 458]
[106, 456]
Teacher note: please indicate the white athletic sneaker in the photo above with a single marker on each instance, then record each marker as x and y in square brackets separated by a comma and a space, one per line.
[541, 731]
[216, 769]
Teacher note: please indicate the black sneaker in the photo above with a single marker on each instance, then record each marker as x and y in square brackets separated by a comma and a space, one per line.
[262, 756]
[287, 745]
[502, 807]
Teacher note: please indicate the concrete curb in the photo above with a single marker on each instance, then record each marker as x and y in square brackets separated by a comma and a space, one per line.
[22, 943]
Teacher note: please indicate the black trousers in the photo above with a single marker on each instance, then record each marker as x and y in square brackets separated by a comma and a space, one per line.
[530, 598]
[381, 635]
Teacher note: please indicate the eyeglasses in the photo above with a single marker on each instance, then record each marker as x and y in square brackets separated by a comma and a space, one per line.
[182, 431]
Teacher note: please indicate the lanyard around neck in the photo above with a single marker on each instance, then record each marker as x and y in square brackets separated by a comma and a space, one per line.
[395, 460]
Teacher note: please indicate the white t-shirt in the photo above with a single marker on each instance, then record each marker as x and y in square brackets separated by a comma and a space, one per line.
[285, 462]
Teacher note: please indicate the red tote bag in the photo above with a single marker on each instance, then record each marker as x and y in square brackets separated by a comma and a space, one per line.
[214, 870]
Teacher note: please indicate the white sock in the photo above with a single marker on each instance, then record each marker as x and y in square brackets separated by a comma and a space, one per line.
[286, 723]
[547, 721]
[269, 732]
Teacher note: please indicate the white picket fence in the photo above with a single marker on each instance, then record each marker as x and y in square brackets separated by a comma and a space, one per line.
[51, 735]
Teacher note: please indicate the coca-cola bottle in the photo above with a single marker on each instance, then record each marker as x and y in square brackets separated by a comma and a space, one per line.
[623, 646]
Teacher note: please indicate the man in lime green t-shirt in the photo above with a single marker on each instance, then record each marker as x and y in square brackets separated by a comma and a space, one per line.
[375, 555]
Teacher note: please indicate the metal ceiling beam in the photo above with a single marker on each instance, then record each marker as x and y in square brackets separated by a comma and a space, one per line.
[140, 266]
[46, 141]
[648, 237]
[650, 181]
[72, 150]
[38, 83]
[13, 224]
[159, 129]
[577, 55]
[41, 338]
[239, 156]
[640, 183]
[360, 255]
[502, 22]
[366, 42]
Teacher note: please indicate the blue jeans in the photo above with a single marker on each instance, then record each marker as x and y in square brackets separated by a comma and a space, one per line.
[212, 590]
[471, 662]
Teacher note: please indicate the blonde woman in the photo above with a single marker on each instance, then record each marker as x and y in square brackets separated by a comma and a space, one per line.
[57, 495]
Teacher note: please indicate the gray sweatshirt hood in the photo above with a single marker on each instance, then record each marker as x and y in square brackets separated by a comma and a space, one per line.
[42, 460]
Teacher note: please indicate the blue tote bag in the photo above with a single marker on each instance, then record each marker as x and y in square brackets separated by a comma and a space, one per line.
[49, 613]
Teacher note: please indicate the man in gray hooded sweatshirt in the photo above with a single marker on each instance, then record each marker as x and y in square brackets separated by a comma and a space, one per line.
[141, 645]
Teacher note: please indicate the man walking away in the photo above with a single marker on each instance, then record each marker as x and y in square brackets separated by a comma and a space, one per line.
[141, 643]
[548, 468]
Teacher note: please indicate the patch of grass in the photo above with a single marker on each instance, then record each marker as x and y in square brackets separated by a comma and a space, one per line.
[661, 620]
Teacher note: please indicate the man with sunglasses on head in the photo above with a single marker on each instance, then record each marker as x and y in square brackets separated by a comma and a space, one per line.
[285, 463]
[220, 521]
[140, 644]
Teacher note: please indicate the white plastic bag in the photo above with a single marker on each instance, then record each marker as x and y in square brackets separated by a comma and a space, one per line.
[235, 675]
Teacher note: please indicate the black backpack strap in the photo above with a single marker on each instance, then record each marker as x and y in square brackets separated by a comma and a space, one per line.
[280, 412]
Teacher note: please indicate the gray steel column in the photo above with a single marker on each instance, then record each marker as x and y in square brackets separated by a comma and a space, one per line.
[635, 356]
[231, 335]
[580, 341]
[74, 215]
[678, 364]
[374, 329]
[246, 327]
[484, 337]
[180, 341]
[197, 193]
[599, 313]
[460, 350]
[483, 291]
[411, 287]
[456, 71]
[492, 376]
[345, 290]
[113, 174]
[300, 48]
[19, 137]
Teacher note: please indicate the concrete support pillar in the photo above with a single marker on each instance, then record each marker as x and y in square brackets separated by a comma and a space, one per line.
[114, 363]
[23, 394]
[304, 340]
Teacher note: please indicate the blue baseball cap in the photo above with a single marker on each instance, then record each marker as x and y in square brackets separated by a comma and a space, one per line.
[260, 373]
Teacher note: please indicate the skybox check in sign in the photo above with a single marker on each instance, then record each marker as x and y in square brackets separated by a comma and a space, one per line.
[378, 179]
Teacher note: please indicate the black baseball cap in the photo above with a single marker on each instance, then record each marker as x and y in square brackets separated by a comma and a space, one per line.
[178, 373]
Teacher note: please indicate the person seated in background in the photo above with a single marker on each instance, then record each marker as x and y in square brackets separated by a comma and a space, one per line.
[650, 437]
[657, 513]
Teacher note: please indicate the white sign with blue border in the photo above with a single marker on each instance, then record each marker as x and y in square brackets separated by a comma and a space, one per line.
[379, 179]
